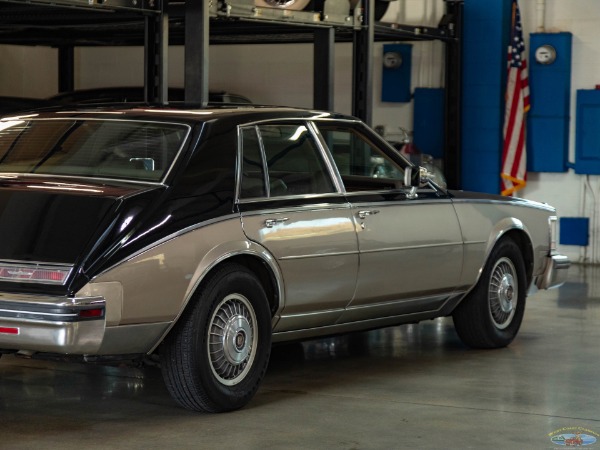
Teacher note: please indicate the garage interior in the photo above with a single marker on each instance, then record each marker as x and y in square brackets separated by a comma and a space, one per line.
[412, 386]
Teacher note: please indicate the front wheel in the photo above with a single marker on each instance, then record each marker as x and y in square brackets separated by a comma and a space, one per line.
[491, 314]
[216, 356]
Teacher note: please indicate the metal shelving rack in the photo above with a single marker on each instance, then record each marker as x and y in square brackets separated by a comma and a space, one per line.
[156, 24]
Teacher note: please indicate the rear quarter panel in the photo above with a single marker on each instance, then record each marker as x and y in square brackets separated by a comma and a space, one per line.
[158, 282]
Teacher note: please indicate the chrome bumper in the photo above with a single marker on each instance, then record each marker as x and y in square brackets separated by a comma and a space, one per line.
[63, 325]
[555, 273]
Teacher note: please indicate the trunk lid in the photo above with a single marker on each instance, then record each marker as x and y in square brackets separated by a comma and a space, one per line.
[57, 220]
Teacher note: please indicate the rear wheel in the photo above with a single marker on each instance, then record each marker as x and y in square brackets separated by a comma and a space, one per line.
[491, 314]
[217, 354]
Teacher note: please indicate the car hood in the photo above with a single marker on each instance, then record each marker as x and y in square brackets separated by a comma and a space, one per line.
[53, 220]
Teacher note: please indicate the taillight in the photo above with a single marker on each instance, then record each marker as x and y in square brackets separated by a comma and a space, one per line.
[9, 330]
[94, 313]
[34, 273]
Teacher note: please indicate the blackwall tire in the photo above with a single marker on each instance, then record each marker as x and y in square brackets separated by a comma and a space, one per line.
[216, 356]
[491, 314]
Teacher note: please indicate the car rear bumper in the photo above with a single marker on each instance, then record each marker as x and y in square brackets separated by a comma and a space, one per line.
[555, 273]
[65, 325]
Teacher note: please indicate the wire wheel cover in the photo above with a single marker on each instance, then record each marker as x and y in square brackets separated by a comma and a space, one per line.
[503, 293]
[232, 339]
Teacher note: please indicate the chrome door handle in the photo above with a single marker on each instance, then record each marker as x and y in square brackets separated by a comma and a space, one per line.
[270, 223]
[365, 213]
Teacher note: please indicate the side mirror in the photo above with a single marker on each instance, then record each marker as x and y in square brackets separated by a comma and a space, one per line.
[408, 176]
[416, 177]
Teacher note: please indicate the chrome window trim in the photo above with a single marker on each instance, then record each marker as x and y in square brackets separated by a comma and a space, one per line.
[402, 202]
[239, 164]
[290, 197]
[98, 119]
[332, 169]
[302, 208]
[317, 117]
[263, 160]
[80, 177]
[402, 190]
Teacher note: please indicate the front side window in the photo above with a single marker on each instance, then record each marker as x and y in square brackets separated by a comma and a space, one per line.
[292, 158]
[362, 165]
[139, 151]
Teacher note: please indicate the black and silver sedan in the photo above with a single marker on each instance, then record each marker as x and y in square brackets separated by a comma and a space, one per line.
[203, 236]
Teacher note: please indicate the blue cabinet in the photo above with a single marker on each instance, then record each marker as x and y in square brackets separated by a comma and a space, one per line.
[549, 116]
[587, 138]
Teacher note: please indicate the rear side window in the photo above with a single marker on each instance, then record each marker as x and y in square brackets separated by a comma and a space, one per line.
[131, 150]
[293, 162]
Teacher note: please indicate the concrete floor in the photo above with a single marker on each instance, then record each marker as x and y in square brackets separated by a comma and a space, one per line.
[413, 386]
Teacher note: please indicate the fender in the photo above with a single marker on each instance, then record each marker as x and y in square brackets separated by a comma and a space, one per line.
[499, 230]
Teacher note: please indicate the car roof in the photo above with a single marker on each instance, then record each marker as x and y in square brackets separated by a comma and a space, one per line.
[184, 113]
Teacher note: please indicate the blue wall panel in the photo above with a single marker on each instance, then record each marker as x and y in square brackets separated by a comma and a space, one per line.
[574, 231]
[395, 83]
[485, 40]
[587, 138]
[549, 116]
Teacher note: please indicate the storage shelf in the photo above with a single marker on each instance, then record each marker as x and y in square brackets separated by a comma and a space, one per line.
[115, 23]
[158, 24]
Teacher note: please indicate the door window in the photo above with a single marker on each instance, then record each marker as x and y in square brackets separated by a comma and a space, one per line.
[362, 165]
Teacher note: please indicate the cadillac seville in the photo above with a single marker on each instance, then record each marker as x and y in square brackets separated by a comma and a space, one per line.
[203, 236]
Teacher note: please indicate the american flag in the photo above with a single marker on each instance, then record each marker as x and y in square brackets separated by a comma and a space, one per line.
[514, 158]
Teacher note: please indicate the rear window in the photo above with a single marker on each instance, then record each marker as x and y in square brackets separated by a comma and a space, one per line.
[131, 150]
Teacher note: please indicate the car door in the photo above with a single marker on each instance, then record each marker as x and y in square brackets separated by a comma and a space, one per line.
[410, 243]
[292, 205]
